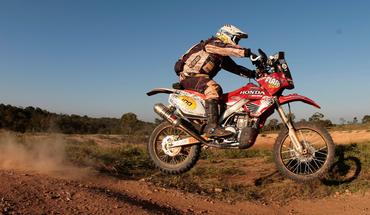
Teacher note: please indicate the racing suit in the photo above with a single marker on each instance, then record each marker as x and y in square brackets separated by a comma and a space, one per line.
[200, 64]
[204, 60]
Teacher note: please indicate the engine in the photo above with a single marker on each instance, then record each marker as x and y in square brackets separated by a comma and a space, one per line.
[245, 128]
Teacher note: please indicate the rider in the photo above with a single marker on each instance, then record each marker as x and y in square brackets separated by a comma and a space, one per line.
[203, 61]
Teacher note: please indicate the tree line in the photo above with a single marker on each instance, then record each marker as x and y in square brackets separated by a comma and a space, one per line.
[317, 117]
[32, 119]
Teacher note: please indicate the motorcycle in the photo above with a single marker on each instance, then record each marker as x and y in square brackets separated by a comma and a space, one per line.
[303, 151]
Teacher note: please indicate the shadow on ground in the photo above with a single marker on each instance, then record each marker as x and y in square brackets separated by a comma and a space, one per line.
[150, 206]
[345, 169]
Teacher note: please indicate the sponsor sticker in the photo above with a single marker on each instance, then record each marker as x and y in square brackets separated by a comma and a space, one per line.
[252, 92]
[272, 82]
[188, 102]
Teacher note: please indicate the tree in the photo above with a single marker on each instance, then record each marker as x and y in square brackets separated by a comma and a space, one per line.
[272, 125]
[129, 123]
[302, 120]
[366, 119]
[316, 117]
[291, 116]
[319, 118]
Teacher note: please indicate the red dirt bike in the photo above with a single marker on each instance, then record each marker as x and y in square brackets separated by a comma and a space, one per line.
[302, 151]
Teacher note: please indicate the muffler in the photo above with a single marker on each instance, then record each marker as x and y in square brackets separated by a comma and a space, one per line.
[168, 115]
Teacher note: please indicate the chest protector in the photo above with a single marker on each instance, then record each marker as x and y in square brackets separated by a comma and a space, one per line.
[197, 61]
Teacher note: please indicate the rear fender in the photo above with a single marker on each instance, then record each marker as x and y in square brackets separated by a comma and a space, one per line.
[296, 97]
[161, 90]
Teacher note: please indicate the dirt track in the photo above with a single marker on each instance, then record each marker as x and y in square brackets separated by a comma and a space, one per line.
[71, 190]
[24, 192]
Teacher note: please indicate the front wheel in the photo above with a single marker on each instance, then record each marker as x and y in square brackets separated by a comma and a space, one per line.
[168, 159]
[313, 162]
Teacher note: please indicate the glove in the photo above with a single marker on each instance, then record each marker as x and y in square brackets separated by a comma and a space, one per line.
[253, 55]
[247, 52]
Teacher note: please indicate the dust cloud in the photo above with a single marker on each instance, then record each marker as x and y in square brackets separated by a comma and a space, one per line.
[38, 153]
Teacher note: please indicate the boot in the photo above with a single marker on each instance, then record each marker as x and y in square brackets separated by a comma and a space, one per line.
[212, 128]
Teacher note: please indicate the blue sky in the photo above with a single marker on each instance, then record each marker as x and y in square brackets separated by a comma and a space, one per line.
[98, 57]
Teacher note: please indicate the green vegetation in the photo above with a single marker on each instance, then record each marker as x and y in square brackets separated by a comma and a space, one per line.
[127, 161]
[232, 174]
[32, 119]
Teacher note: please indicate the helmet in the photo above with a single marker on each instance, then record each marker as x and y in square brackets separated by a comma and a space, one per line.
[230, 34]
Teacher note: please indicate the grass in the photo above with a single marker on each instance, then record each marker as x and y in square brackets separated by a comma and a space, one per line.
[350, 127]
[127, 161]
[232, 174]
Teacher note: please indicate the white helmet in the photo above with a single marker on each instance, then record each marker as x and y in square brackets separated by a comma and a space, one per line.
[230, 34]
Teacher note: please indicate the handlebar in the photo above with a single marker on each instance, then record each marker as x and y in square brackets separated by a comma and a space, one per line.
[255, 59]
[264, 63]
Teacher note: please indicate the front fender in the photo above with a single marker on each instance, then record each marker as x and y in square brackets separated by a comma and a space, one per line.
[296, 97]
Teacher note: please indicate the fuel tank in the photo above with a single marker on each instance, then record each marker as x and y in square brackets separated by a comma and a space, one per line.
[249, 91]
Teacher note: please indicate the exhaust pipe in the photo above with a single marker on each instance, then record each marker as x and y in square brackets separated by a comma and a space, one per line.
[168, 115]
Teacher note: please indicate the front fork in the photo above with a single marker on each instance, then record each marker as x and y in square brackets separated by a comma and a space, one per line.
[291, 131]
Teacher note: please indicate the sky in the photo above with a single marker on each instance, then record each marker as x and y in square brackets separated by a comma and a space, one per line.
[99, 58]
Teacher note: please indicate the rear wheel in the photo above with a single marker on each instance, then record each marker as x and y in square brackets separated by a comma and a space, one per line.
[171, 160]
[313, 162]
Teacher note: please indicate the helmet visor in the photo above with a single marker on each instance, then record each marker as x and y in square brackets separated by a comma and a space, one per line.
[237, 38]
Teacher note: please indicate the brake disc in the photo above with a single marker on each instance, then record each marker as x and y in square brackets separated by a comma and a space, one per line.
[166, 146]
[307, 155]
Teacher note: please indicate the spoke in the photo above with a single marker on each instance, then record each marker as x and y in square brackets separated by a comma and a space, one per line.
[318, 166]
[284, 146]
[309, 168]
[286, 151]
[294, 167]
[297, 167]
[304, 139]
[314, 144]
[288, 159]
[318, 160]
[288, 164]
[314, 141]
[322, 153]
[305, 168]
[325, 147]
[165, 132]
[160, 152]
